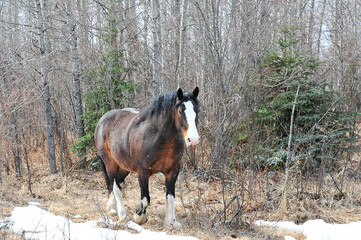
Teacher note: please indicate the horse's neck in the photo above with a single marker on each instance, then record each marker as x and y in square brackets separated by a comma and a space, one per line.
[167, 128]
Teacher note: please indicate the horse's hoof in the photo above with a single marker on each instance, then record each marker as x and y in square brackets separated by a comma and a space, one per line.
[176, 225]
[139, 209]
[140, 219]
[122, 215]
[113, 212]
[173, 224]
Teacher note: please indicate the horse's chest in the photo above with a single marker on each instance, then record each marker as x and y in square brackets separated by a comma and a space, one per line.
[167, 160]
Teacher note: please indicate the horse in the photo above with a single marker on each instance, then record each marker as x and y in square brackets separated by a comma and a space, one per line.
[147, 142]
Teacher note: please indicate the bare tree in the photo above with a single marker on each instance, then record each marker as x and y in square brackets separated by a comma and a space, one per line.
[45, 71]
[289, 155]
[76, 76]
[182, 32]
[156, 46]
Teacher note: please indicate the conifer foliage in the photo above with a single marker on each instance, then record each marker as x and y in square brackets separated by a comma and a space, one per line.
[322, 129]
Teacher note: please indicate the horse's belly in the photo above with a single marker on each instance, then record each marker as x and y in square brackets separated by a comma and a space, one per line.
[126, 163]
[164, 165]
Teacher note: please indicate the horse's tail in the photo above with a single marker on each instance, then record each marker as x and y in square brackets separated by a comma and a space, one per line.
[106, 177]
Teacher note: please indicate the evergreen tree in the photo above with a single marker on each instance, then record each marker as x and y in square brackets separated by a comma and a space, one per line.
[322, 130]
[111, 89]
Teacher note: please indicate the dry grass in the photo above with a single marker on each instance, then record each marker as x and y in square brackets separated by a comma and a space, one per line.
[83, 193]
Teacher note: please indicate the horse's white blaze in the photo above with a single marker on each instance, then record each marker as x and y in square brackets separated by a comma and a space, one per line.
[192, 137]
[122, 212]
[170, 216]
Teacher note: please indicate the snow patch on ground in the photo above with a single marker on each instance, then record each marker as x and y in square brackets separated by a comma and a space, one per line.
[37, 223]
[319, 229]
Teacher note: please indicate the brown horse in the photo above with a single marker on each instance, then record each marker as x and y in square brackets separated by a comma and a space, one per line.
[146, 142]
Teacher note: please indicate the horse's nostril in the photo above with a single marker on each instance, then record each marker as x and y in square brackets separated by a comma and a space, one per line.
[189, 140]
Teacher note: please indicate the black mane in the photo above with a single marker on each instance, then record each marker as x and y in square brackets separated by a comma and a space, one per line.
[163, 104]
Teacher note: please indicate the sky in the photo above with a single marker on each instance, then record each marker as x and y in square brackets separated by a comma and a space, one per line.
[40, 224]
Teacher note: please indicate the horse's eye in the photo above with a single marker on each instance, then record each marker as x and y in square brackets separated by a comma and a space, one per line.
[180, 111]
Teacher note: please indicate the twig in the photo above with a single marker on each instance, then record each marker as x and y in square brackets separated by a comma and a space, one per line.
[227, 206]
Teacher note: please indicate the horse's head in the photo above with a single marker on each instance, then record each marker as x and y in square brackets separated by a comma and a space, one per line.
[186, 115]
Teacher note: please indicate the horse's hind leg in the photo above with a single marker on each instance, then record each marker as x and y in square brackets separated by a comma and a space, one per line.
[121, 175]
[115, 203]
[170, 217]
[140, 212]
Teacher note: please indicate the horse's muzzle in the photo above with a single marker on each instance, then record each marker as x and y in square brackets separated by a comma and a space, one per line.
[192, 141]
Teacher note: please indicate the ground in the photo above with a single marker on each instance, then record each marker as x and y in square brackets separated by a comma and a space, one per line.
[80, 192]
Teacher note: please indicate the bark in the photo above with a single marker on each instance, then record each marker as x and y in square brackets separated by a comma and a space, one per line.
[161, 24]
[1, 165]
[110, 59]
[132, 36]
[132, 20]
[320, 30]
[26, 156]
[82, 7]
[156, 48]
[182, 31]
[76, 78]
[46, 93]
[310, 26]
[16, 149]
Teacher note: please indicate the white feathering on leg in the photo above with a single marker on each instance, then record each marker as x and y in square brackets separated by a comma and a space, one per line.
[122, 212]
[145, 202]
[112, 205]
[170, 219]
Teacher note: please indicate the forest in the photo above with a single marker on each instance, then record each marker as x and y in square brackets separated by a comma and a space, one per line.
[280, 100]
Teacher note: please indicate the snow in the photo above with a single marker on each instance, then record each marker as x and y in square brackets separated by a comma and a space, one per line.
[289, 238]
[37, 223]
[319, 229]
[34, 203]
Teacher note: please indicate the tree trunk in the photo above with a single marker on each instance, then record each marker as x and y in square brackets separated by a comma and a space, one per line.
[287, 170]
[156, 65]
[182, 30]
[82, 7]
[76, 81]
[1, 165]
[320, 30]
[46, 94]
[310, 27]
[16, 149]
[110, 58]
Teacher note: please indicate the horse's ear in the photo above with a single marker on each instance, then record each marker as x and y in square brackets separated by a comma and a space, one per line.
[195, 92]
[180, 94]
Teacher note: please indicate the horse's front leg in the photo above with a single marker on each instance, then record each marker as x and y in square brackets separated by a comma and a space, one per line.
[170, 217]
[140, 211]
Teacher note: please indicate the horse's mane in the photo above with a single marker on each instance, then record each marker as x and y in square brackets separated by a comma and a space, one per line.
[163, 105]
